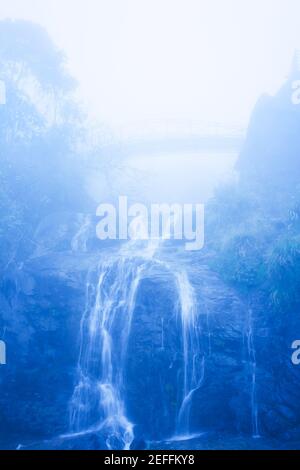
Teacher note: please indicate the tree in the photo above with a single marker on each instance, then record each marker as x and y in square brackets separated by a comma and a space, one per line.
[40, 123]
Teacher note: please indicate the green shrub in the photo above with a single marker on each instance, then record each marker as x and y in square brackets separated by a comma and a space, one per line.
[284, 273]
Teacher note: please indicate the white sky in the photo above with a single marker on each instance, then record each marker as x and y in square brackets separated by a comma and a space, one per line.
[159, 59]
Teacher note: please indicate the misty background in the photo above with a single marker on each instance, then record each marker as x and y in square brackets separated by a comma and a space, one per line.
[116, 345]
[147, 69]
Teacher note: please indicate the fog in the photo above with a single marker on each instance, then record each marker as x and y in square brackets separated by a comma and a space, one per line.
[194, 59]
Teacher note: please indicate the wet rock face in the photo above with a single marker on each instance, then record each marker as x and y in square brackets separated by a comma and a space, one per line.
[154, 358]
[279, 394]
[42, 348]
[44, 368]
[155, 366]
[42, 303]
[223, 402]
[91, 441]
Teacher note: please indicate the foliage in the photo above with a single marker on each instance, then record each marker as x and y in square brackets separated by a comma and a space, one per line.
[39, 124]
[257, 243]
[284, 273]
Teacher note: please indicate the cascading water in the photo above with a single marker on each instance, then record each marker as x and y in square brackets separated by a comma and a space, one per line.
[252, 363]
[97, 404]
[79, 241]
[162, 335]
[194, 362]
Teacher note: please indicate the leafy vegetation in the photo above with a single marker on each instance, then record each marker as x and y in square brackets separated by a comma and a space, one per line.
[40, 169]
[254, 232]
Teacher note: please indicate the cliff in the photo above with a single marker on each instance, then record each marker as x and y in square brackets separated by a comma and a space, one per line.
[272, 148]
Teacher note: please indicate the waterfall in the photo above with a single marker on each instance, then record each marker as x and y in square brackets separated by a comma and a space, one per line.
[252, 362]
[97, 401]
[193, 360]
[162, 335]
[97, 404]
[79, 241]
